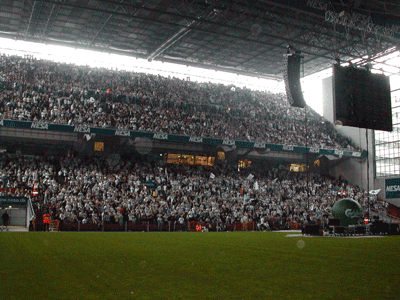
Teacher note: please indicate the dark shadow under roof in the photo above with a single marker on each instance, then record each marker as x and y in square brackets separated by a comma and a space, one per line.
[244, 37]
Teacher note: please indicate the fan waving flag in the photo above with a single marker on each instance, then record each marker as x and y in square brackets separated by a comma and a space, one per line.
[256, 187]
[374, 192]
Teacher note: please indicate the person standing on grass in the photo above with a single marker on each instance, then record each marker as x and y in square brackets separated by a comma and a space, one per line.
[46, 222]
[181, 222]
[6, 219]
[160, 222]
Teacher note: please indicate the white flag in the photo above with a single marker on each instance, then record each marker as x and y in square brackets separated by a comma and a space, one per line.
[256, 186]
[212, 176]
[374, 192]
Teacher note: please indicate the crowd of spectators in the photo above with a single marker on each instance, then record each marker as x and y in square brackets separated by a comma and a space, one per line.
[93, 190]
[38, 90]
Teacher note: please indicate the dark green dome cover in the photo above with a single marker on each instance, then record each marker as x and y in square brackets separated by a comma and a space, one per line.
[348, 211]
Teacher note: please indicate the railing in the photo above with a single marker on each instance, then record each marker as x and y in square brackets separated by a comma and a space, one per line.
[170, 226]
[46, 126]
[147, 226]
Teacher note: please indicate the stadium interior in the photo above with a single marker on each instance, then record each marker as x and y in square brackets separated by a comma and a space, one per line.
[134, 147]
[199, 149]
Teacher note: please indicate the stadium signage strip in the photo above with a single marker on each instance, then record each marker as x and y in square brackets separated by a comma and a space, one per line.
[175, 138]
[40, 125]
[195, 139]
[259, 145]
[6, 200]
[160, 136]
[288, 148]
[228, 142]
[123, 133]
[392, 188]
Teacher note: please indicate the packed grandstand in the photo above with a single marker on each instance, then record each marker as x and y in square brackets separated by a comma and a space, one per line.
[77, 189]
[92, 190]
[58, 93]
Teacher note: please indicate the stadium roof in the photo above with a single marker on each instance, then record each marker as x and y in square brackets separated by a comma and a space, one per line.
[244, 37]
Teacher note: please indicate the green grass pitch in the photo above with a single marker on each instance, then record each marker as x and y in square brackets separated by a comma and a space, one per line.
[182, 265]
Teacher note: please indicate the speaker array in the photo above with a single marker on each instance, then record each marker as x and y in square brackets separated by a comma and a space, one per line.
[292, 80]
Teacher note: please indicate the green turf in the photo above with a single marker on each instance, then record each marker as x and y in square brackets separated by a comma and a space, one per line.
[234, 265]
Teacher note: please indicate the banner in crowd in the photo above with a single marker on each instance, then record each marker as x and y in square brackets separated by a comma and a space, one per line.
[176, 138]
[392, 188]
[7, 201]
[149, 184]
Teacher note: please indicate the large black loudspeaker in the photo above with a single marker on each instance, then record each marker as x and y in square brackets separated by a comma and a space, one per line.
[361, 99]
[311, 230]
[292, 80]
[394, 229]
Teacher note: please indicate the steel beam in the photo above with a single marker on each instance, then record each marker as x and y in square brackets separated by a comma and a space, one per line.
[197, 29]
[30, 19]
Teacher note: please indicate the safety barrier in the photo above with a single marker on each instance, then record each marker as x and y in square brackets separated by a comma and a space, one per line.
[146, 226]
